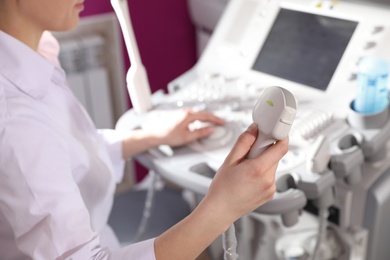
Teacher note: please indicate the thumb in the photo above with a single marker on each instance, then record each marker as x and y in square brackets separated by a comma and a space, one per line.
[243, 144]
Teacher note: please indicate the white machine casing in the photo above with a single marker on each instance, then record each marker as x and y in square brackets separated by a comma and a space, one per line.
[243, 29]
[322, 51]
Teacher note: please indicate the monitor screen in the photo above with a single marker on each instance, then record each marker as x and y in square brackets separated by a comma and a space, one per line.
[304, 48]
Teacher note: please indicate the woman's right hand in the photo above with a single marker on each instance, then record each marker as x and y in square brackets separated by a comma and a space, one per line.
[242, 185]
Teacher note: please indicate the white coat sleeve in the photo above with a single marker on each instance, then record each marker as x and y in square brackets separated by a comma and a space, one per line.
[113, 140]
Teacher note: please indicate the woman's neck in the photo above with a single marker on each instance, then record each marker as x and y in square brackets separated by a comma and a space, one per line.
[14, 25]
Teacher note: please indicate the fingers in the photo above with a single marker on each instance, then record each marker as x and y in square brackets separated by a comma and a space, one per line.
[243, 144]
[271, 157]
[202, 132]
[200, 116]
[274, 153]
[203, 116]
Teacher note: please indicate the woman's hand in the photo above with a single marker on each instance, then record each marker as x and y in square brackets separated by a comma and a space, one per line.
[179, 132]
[170, 131]
[241, 185]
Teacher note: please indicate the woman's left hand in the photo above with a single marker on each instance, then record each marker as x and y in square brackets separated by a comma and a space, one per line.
[179, 132]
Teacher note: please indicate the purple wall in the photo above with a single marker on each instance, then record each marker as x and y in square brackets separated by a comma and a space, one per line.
[165, 37]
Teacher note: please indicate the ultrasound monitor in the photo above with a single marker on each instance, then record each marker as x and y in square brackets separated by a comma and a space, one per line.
[311, 49]
[304, 47]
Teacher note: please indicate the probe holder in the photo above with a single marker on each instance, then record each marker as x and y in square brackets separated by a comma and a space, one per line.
[288, 201]
[348, 158]
[375, 131]
[317, 186]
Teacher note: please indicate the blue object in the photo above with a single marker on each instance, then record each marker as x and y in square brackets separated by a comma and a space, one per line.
[372, 92]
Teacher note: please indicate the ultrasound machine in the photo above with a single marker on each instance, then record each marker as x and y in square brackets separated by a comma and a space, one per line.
[334, 183]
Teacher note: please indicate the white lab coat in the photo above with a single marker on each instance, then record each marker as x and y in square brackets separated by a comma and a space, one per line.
[57, 173]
